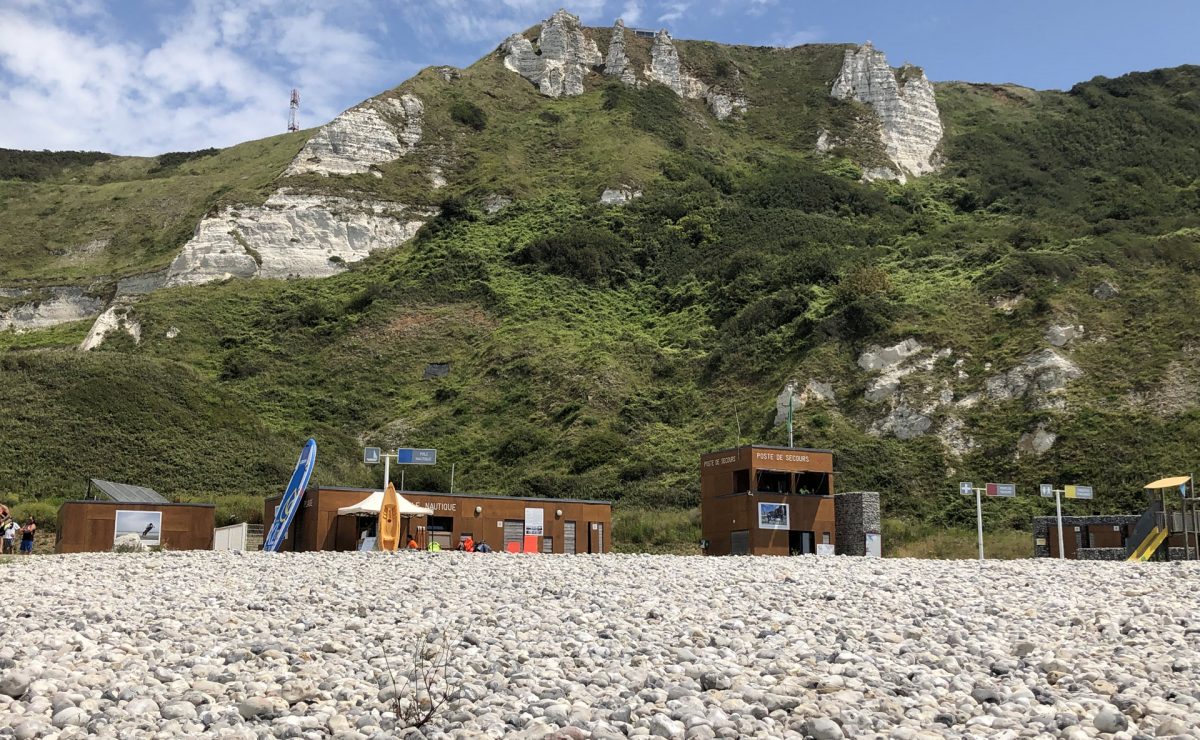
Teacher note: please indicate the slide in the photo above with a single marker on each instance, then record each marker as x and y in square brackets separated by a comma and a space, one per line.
[1150, 545]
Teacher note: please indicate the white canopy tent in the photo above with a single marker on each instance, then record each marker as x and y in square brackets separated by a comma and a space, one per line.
[371, 504]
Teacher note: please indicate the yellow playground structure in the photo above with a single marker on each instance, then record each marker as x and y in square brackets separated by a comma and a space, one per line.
[1168, 515]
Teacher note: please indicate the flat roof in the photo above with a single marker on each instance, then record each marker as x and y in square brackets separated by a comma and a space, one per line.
[766, 447]
[408, 494]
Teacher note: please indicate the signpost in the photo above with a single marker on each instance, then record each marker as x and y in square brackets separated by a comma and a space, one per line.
[404, 456]
[1047, 490]
[1005, 490]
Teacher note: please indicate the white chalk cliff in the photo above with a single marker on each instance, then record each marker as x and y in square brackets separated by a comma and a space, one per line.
[903, 99]
[666, 68]
[372, 133]
[564, 55]
[617, 63]
[292, 235]
[58, 306]
[116, 317]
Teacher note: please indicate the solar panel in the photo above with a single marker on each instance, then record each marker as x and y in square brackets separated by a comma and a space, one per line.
[125, 493]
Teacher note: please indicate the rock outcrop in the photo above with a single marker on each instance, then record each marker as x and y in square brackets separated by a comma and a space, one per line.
[619, 196]
[116, 317]
[55, 306]
[292, 235]
[1060, 335]
[564, 55]
[617, 63]
[1037, 442]
[910, 126]
[369, 134]
[666, 69]
[814, 391]
[881, 358]
[904, 423]
[1105, 291]
[1041, 374]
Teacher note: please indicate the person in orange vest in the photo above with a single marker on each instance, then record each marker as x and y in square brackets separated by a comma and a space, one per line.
[412, 543]
[469, 544]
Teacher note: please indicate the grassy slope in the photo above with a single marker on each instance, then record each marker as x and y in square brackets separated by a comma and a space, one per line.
[743, 266]
[146, 215]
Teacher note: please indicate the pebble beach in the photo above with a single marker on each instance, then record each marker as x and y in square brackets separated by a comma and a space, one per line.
[316, 645]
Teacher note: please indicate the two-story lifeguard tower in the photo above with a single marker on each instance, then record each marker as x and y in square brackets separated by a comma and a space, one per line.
[763, 500]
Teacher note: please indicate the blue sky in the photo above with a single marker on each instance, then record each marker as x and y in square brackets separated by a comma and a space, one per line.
[169, 75]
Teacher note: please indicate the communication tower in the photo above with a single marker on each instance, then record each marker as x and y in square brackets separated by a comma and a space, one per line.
[293, 116]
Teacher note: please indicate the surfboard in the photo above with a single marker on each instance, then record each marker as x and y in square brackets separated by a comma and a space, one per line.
[291, 497]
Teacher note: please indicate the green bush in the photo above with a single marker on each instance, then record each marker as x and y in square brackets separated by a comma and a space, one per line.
[587, 253]
[469, 114]
[44, 513]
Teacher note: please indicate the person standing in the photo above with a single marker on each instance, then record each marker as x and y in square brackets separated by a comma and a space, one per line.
[9, 529]
[27, 533]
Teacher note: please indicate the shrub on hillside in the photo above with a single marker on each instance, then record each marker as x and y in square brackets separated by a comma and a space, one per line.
[586, 253]
[469, 114]
[32, 166]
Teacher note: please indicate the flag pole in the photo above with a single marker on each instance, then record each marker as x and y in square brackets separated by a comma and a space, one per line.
[791, 395]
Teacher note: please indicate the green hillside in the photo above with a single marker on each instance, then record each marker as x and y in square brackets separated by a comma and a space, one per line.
[596, 351]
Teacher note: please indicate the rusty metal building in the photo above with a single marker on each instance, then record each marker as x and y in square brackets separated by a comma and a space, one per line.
[569, 526]
[764, 500]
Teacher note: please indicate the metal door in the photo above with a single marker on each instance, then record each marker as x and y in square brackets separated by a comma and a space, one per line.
[514, 531]
[568, 538]
[739, 542]
[548, 545]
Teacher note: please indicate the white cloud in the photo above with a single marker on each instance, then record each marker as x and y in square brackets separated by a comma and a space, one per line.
[218, 73]
[674, 11]
[788, 39]
[632, 12]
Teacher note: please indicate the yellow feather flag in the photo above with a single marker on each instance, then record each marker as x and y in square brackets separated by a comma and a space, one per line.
[388, 531]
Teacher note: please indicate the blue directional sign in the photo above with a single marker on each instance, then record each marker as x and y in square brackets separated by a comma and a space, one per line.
[412, 456]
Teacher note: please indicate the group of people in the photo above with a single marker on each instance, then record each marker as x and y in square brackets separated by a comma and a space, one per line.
[10, 530]
[466, 544]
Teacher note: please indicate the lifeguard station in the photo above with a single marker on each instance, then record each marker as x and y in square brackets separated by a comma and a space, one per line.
[1168, 518]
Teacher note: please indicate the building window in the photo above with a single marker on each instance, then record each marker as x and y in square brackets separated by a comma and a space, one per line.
[548, 545]
[824, 538]
[441, 523]
[773, 481]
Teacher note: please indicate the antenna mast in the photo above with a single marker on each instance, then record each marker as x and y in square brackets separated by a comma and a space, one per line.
[293, 117]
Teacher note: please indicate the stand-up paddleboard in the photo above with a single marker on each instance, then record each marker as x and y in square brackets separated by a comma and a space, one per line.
[291, 497]
[388, 527]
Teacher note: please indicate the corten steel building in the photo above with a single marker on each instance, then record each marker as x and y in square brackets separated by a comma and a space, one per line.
[762, 500]
[569, 526]
[90, 525]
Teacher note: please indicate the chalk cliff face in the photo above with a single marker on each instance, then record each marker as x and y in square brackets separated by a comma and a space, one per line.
[910, 126]
[62, 305]
[372, 133]
[666, 68]
[617, 63]
[566, 55]
[291, 235]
